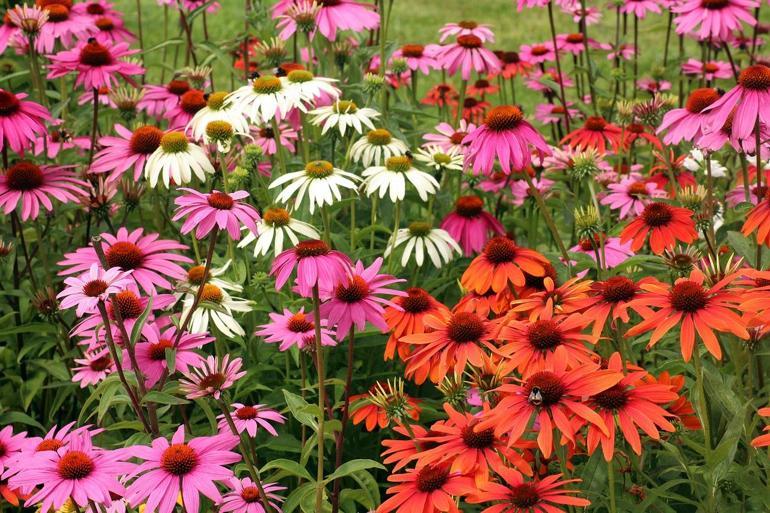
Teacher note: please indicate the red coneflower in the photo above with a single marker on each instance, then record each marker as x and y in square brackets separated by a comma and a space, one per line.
[595, 133]
[763, 440]
[758, 219]
[500, 263]
[552, 299]
[611, 297]
[664, 223]
[373, 414]
[429, 489]
[409, 319]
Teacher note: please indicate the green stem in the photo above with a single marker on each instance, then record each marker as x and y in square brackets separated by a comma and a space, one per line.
[319, 490]
[611, 486]
[396, 223]
[548, 220]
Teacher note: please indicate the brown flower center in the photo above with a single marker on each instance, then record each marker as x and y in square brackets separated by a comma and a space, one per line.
[417, 300]
[614, 398]
[756, 77]
[353, 292]
[468, 24]
[24, 176]
[299, 323]
[657, 214]
[192, 101]
[688, 296]
[511, 58]
[504, 117]
[94, 54]
[465, 327]
[195, 274]
[8, 103]
[145, 139]
[595, 123]
[430, 478]
[700, 99]
[638, 190]
[311, 248]
[539, 50]
[246, 413]
[127, 304]
[94, 9]
[105, 23]
[412, 50]
[125, 255]
[574, 38]
[617, 289]
[100, 364]
[544, 388]
[157, 351]
[469, 41]
[212, 381]
[178, 87]
[250, 494]
[478, 440]
[544, 334]
[220, 201]
[94, 287]
[457, 137]
[714, 4]
[469, 206]
[500, 250]
[75, 465]
[524, 496]
[710, 67]
[179, 459]
[57, 12]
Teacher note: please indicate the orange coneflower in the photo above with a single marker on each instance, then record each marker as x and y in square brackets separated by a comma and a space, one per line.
[564, 299]
[534, 284]
[453, 341]
[427, 490]
[681, 408]
[483, 304]
[696, 307]
[633, 404]
[403, 451]
[500, 263]
[763, 440]
[417, 304]
[595, 133]
[758, 219]
[374, 413]
[665, 225]
[534, 343]
[551, 396]
[469, 452]
[611, 297]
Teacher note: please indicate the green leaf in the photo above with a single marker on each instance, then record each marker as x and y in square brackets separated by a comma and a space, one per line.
[287, 467]
[369, 487]
[170, 355]
[136, 331]
[349, 467]
[299, 409]
[17, 417]
[296, 496]
[35, 327]
[742, 246]
[154, 396]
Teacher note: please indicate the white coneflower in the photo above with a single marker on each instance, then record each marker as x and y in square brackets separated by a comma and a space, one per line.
[194, 278]
[696, 162]
[217, 108]
[178, 159]
[440, 159]
[262, 99]
[217, 306]
[391, 178]
[302, 88]
[343, 114]
[274, 228]
[376, 146]
[421, 238]
[320, 180]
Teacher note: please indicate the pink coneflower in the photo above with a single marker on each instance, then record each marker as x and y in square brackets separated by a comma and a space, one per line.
[112, 30]
[251, 419]
[267, 139]
[614, 252]
[210, 377]
[549, 113]
[535, 81]
[467, 54]
[640, 8]
[738, 195]
[33, 185]
[573, 43]
[749, 100]
[157, 100]
[8, 30]
[211, 7]
[129, 149]
[467, 28]
[418, 57]
[521, 191]
[513, 65]
[245, 497]
[96, 64]
[448, 137]
[470, 225]
[290, 329]
[589, 16]
[102, 96]
[337, 15]
[690, 122]
[64, 26]
[147, 256]
[717, 18]
[151, 352]
[95, 9]
[93, 368]
[504, 136]
[707, 70]
[355, 301]
[180, 115]
[317, 266]
[631, 195]
[653, 86]
[220, 209]
[537, 53]
[57, 140]
[11, 445]
[624, 51]
[78, 471]
[20, 121]
[191, 468]
[87, 290]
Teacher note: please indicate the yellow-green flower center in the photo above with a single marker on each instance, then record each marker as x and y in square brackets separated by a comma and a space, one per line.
[400, 163]
[319, 169]
[345, 107]
[379, 137]
[419, 228]
[442, 158]
[300, 75]
[267, 84]
[174, 142]
[216, 100]
[219, 130]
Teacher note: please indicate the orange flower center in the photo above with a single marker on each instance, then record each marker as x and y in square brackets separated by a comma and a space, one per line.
[469, 41]
[469, 206]
[178, 87]
[8, 103]
[417, 301]
[94, 287]
[212, 294]
[50, 444]
[617, 289]
[57, 12]
[412, 50]
[524, 496]
[575, 38]
[468, 24]
[353, 292]
[504, 117]
[276, 217]
[192, 101]
[544, 334]
[465, 327]
[75, 465]
[478, 440]
[24, 176]
[246, 413]
[128, 304]
[311, 248]
[125, 255]
[638, 190]
[701, 98]
[544, 388]
[250, 494]
[714, 4]
[105, 23]
[94, 54]
[430, 479]
[710, 67]
[657, 214]
[688, 296]
[145, 140]
[756, 77]
[595, 123]
[179, 459]
[500, 250]
[538, 50]
[220, 201]
[614, 398]
[298, 323]
[457, 137]
[157, 351]
[195, 274]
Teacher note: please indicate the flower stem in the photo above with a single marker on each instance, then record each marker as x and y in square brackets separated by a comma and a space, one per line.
[94, 126]
[340, 442]
[611, 486]
[548, 220]
[319, 348]
[562, 97]
[209, 256]
[396, 223]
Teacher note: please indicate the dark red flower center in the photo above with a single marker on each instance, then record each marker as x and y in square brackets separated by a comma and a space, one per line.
[329, 3]
[657, 214]
[544, 388]
[538, 282]
[266, 132]
[125, 255]
[469, 206]
[511, 58]
[468, 24]
[178, 87]
[8, 103]
[192, 101]
[470, 103]
[94, 287]
[220, 201]
[469, 41]
[544, 334]
[250, 494]
[157, 351]
[24, 176]
[617, 289]
[127, 304]
[50, 444]
[688, 296]
[478, 439]
[213, 381]
[700, 99]
[500, 250]
[539, 50]
[311, 248]
[504, 117]
[457, 137]
[714, 4]
[246, 413]
[298, 323]
[465, 327]
[417, 300]
[710, 67]
[105, 23]
[57, 12]
[614, 398]
[430, 478]
[412, 50]
[352, 292]
[481, 84]
[145, 140]
[638, 190]
[179, 459]
[595, 123]
[75, 465]
[524, 496]
[756, 77]
[94, 54]
[94, 9]
[100, 364]
[574, 38]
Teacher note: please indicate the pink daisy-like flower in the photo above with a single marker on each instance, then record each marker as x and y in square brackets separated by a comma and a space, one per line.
[102, 97]
[689, 123]
[157, 100]
[521, 191]
[640, 8]
[504, 136]
[551, 114]
[112, 30]
[87, 290]
[244, 497]
[118, 154]
[192, 468]
[418, 57]
[589, 16]
[180, 115]
[748, 102]
[717, 18]
[317, 266]
[8, 30]
[266, 138]
[337, 15]
[57, 140]
[624, 51]
[31, 185]
[21, 122]
[535, 81]
[537, 53]
[449, 138]
[147, 256]
[251, 418]
[290, 329]
[77, 471]
[96, 64]
[738, 195]
[615, 252]
[95, 9]
[653, 86]
[220, 209]
[467, 28]
[355, 301]
[631, 195]
[63, 25]
[11, 445]
[574, 43]
[151, 352]
[467, 54]
[709, 70]
[93, 368]
[211, 376]
[470, 225]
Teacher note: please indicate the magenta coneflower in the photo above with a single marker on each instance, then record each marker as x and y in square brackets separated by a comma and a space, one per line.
[268, 140]
[717, 18]
[251, 419]
[551, 114]
[21, 122]
[708, 70]
[631, 195]
[93, 368]
[11, 445]
[640, 8]
[58, 139]
[467, 28]
[470, 225]
[317, 266]
[211, 376]
[220, 209]
[112, 30]
[614, 252]
[95, 9]
[521, 190]
[245, 497]
[467, 54]
[96, 64]
[78, 471]
[157, 100]
[690, 122]
[355, 301]
[191, 468]
[418, 57]
[335, 15]
[449, 138]
[748, 102]
[505, 135]
[294, 329]
[87, 290]
[147, 256]
[535, 81]
[63, 25]
[31, 185]
[118, 154]
[537, 53]
[8, 30]
[574, 43]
